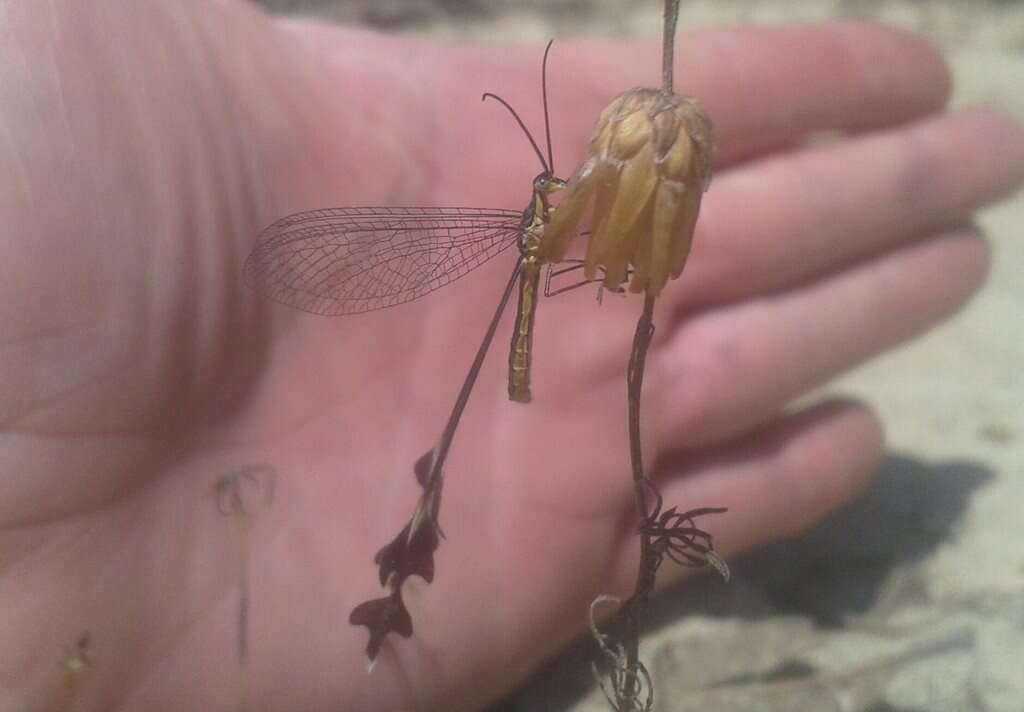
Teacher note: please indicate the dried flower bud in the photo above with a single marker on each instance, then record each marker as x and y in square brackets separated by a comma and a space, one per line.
[646, 169]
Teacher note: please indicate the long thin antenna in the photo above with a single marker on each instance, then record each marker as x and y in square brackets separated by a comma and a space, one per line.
[544, 92]
[489, 95]
[668, 44]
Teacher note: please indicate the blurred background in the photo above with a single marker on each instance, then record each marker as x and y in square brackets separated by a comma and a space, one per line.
[911, 599]
[994, 23]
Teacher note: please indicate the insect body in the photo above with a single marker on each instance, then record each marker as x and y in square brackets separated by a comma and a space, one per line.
[531, 246]
[339, 261]
[354, 260]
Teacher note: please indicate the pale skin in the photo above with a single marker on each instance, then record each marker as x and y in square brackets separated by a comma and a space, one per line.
[143, 147]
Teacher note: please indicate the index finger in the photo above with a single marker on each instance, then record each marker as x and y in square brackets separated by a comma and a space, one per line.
[763, 87]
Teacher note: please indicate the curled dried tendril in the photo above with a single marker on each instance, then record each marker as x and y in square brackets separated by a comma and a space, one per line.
[625, 682]
[676, 535]
[626, 686]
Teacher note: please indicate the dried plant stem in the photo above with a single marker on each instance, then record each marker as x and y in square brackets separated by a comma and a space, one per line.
[662, 533]
[634, 607]
[629, 681]
[642, 486]
[668, 46]
[627, 684]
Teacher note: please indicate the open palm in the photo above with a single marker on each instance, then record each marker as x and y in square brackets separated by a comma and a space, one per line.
[144, 150]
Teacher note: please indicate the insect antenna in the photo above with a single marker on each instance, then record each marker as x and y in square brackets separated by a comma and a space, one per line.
[549, 165]
[536, 149]
[544, 95]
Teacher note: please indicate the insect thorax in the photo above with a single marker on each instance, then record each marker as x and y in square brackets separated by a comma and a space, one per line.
[535, 219]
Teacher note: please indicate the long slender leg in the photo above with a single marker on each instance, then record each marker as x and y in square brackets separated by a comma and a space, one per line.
[412, 551]
[573, 266]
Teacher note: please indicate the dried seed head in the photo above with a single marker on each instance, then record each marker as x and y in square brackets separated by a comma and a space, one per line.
[645, 171]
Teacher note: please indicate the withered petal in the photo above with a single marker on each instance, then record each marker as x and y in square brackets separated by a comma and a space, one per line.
[627, 135]
[565, 219]
[665, 235]
[642, 252]
[679, 161]
[606, 182]
[685, 226]
[615, 240]
[636, 184]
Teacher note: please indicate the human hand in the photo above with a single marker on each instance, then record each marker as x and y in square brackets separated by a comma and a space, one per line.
[145, 148]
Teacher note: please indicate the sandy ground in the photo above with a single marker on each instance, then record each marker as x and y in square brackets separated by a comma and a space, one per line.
[912, 599]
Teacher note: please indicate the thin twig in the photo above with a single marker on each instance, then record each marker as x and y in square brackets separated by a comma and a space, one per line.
[668, 46]
[662, 533]
[635, 383]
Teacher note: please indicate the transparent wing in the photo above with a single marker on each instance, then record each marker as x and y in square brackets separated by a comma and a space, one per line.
[353, 260]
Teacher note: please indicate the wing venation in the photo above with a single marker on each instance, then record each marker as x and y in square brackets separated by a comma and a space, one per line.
[351, 260]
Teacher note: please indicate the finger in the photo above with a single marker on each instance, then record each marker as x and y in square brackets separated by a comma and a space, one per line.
[762, 87]
[776, 482]
[819, 209]
[723, 373]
